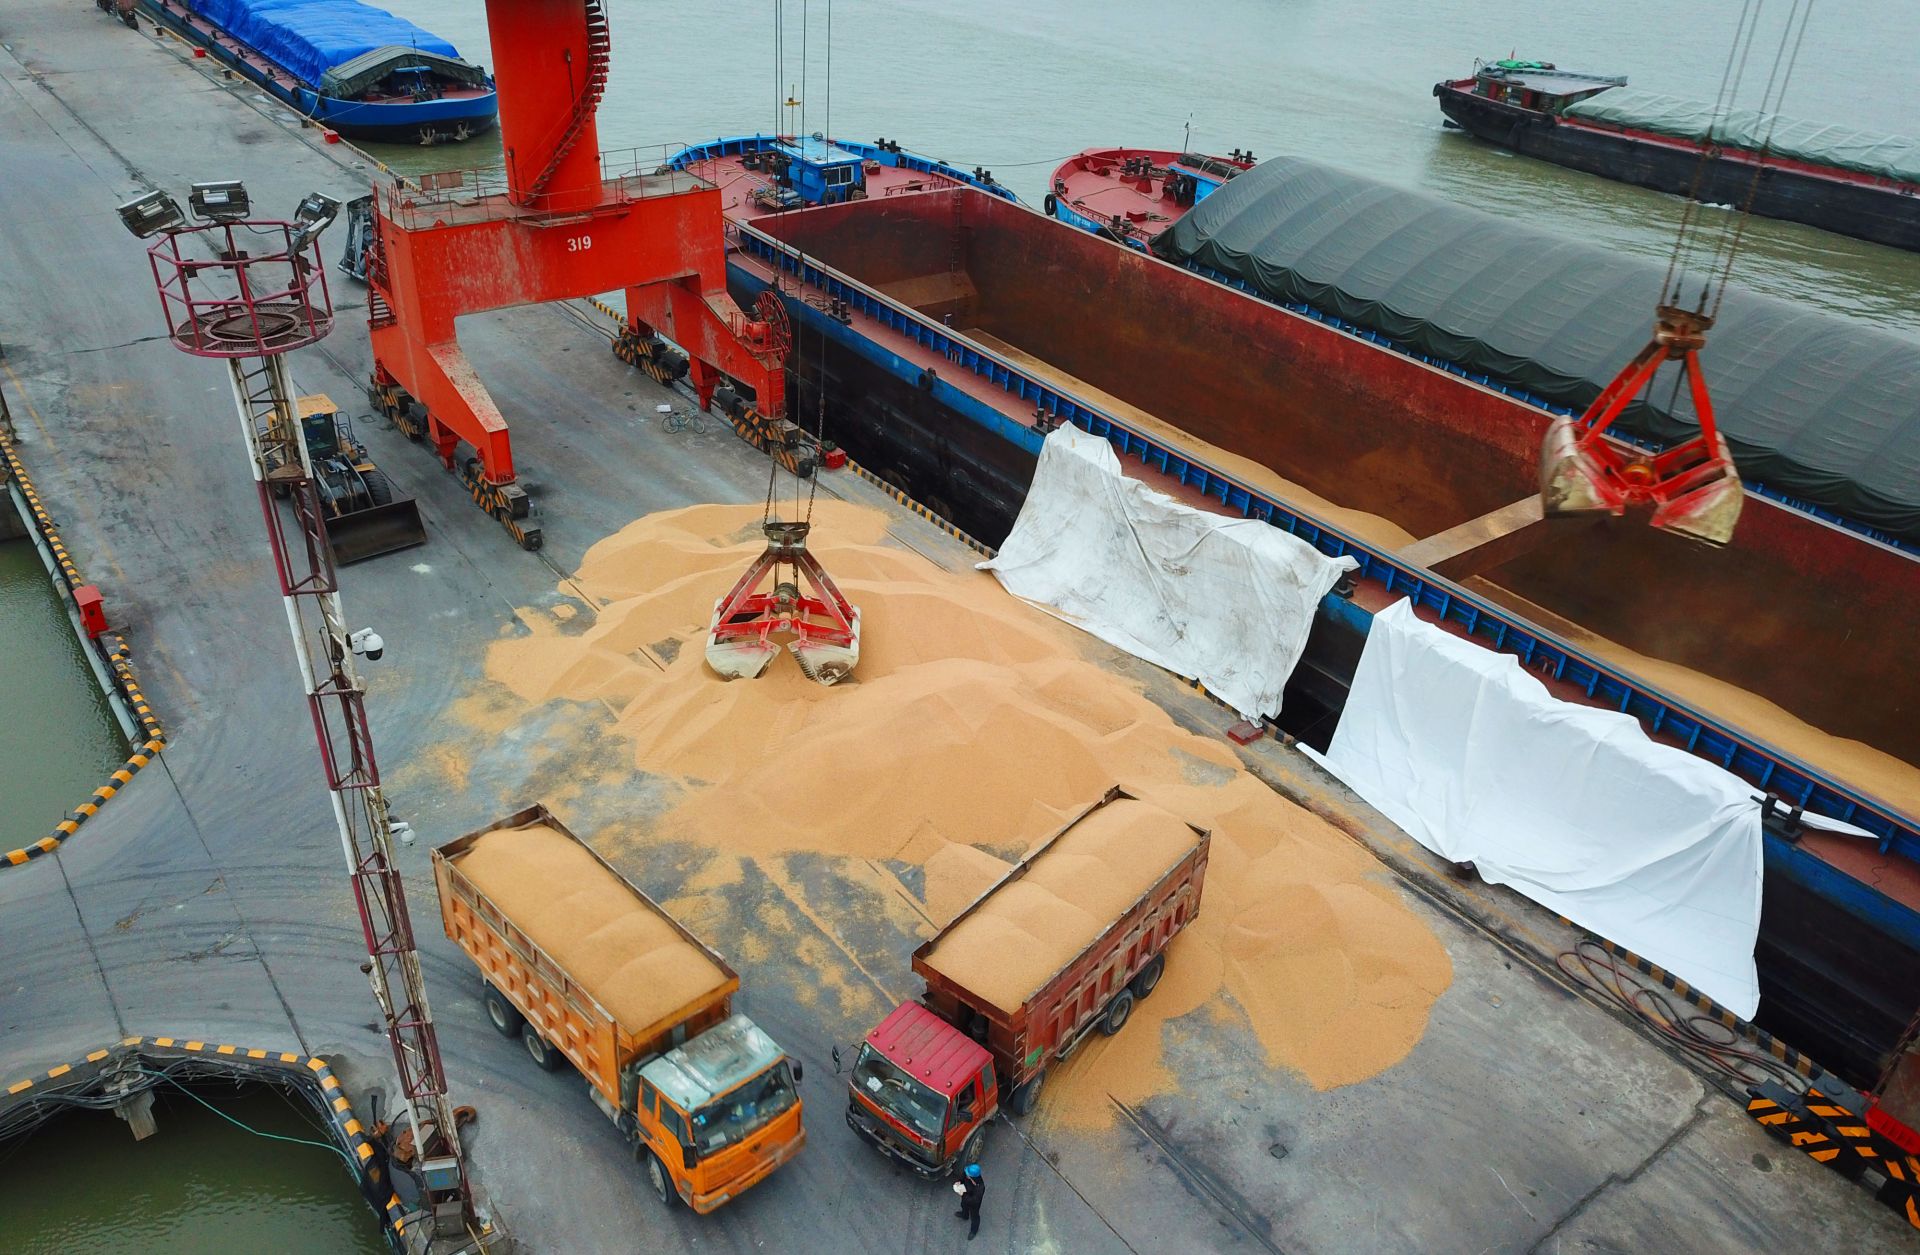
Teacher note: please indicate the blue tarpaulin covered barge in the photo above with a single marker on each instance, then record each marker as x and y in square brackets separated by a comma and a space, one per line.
[356, 69]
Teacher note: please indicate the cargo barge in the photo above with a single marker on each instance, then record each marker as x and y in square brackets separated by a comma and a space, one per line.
[350, 67]
[1838, 179]
[947, 365]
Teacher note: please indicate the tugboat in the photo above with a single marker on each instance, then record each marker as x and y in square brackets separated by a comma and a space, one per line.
[355, 69]
[1131, 195]
[1846, 181]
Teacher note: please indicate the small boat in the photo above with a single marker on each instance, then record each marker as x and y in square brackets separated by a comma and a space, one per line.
[1847, 181]
[350, 67]
[1131, 195]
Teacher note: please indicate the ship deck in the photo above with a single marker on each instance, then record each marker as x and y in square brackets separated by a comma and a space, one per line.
[743, 192]
[1092, 185]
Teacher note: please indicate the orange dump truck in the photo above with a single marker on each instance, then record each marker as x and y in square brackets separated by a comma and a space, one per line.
[1065, 943]
[580, 964]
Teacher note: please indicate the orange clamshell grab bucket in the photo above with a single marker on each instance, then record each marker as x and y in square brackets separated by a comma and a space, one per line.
[1694, 488]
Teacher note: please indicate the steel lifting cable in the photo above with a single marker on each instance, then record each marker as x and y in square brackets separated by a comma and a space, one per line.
[1679, 262]
[1766, 145]
[1700, 1036]
[820, 371]
[1729, 225]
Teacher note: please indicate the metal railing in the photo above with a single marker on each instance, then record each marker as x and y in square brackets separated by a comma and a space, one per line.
[259, 288]
[483, 194]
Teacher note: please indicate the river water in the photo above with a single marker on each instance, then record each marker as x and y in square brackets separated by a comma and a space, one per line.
[58, 738]
[1016, 86]
[201, 1184]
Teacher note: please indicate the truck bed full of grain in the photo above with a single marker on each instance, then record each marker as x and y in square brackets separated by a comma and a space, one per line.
[606, 938]
[1030, 928]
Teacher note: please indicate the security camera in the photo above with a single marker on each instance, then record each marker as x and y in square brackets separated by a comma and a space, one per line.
[367, 642]
[404, 830]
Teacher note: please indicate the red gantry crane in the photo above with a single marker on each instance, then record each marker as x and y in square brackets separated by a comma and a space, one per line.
[564, 222]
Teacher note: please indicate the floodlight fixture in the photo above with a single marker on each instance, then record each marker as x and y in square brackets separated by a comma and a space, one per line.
[316, 212]
[223, 201]
[150, 213]
[317, 207]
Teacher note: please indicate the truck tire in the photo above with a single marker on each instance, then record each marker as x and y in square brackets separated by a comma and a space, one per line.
[505, 1016]
[539, 1049]
[661, 1181]
[1119, 1011]
[1024, 1096]
[1147, 979]
[970, 1153]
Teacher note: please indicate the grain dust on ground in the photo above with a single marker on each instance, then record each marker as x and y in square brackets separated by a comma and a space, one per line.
[971, 727]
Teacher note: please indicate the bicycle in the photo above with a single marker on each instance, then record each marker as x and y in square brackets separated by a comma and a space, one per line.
[677, 420]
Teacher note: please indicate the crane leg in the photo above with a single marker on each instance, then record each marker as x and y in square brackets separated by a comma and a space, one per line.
[457, 409]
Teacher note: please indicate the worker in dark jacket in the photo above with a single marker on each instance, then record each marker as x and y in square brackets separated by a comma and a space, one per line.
[972, 1187]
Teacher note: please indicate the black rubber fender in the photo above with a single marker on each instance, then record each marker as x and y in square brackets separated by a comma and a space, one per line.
[1053, 206]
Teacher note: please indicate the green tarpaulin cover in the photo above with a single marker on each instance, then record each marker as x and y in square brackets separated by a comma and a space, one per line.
[1813, 406]
[1891, 156]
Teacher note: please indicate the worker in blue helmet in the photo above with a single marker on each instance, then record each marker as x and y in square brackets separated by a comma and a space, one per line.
[971, 1187]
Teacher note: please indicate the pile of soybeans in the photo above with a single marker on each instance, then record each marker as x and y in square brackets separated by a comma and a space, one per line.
[972, 728]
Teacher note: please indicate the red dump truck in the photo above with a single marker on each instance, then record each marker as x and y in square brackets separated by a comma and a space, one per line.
[580, 964]
[1064, 944]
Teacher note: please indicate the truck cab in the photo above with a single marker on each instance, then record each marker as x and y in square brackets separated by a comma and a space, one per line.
[922, 1091]
[714, 1116]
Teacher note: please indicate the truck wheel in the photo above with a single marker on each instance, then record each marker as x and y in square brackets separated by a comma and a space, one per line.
[1024, 1096]
[1119, 1011]
[661, 1182]
[970, 1153]
[505, 1016]
[1147, 979]
[539, 1049]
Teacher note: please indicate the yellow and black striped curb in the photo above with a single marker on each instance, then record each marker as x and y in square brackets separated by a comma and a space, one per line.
[1835, 1131]
[309, 1073]
[119, 664]
[1744, 1029]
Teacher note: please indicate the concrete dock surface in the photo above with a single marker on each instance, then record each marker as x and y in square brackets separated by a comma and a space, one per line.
[210, 900]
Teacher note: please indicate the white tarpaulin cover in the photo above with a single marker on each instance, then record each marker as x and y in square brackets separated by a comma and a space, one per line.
[1224, 601]
[1648, 846]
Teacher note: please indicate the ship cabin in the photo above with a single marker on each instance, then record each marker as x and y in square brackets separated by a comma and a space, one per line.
[1192, 177]
[818, 171]
[1538, 85]
[400, 73]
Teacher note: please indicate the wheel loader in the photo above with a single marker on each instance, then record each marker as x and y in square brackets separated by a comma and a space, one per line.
[364, 517]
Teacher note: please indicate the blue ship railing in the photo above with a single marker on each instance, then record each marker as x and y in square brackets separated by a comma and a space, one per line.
[1767, 768]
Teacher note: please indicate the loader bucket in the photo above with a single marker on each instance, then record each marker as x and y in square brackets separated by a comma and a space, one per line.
[362, 534]
[1569, 481]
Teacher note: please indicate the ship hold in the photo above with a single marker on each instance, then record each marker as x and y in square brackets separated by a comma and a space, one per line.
[1847, 181]
[352, 68]
[945, 362]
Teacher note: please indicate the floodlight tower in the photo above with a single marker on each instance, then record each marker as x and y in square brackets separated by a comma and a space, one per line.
[247, 291]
